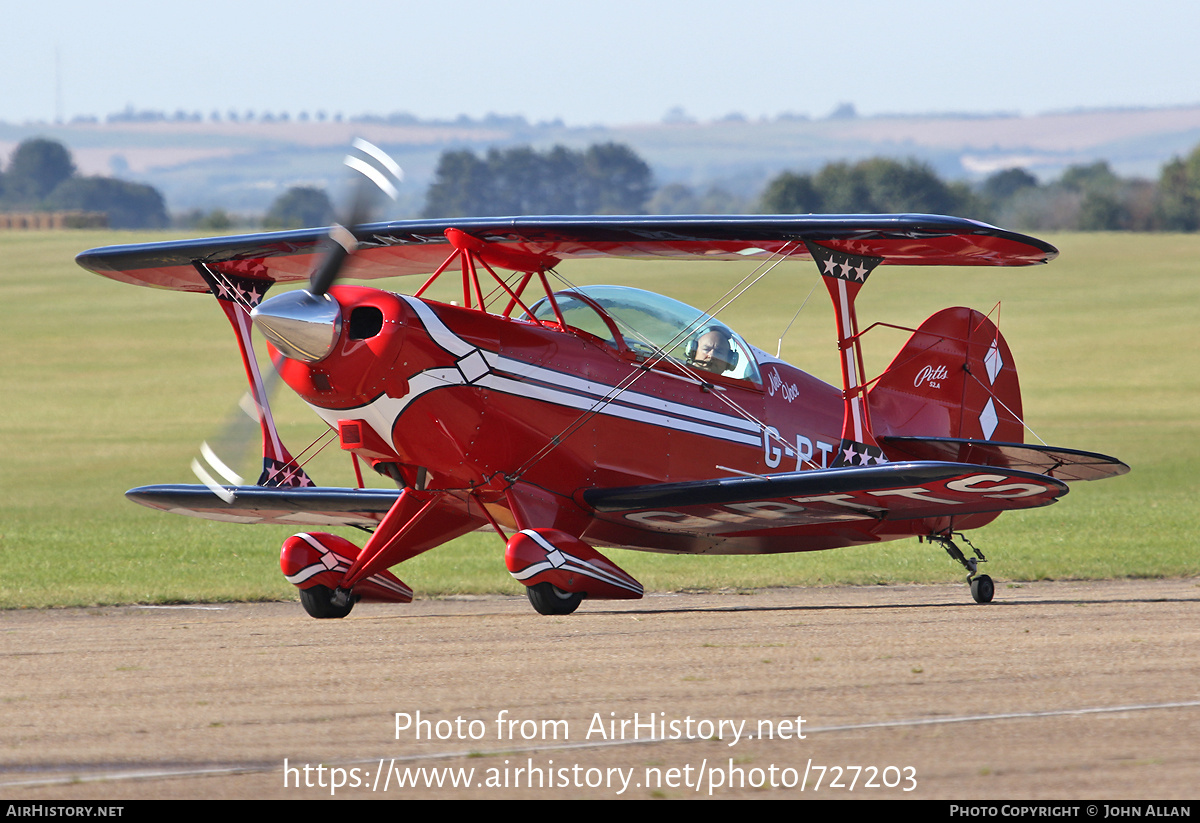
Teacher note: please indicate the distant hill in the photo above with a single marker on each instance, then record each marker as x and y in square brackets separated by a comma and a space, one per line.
[243, 166]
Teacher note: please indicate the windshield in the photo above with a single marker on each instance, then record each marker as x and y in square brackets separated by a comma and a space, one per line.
[650, 323]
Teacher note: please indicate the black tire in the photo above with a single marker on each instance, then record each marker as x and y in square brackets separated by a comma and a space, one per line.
[983, 589]
[318, 602]
[550, 599]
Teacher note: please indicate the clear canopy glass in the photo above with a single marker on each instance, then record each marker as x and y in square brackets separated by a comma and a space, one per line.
[653, 326]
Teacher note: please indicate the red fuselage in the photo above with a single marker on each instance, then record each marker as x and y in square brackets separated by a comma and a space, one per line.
[523, 416]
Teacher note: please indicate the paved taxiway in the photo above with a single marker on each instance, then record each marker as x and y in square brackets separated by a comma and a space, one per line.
[1057, 690]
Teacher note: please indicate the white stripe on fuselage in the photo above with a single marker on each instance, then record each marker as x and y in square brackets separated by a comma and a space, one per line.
[600, 390]
[601, 406]
[552, 386]
[438, 331]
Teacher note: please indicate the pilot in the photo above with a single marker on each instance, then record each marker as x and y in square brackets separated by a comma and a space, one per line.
[712, 350]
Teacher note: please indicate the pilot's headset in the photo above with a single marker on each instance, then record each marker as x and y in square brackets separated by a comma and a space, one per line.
[694, 344]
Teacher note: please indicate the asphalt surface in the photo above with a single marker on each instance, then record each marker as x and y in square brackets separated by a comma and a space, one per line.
[1058, 690]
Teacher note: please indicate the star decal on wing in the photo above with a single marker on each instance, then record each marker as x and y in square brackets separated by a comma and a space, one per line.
[852, 453]
[230, 288]
[279, 474]
[843, 266]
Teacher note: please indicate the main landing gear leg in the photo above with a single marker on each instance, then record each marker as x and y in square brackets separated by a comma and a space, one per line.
[982, 587]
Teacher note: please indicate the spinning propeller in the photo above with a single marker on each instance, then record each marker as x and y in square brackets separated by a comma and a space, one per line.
[235, 440]
[305, 324]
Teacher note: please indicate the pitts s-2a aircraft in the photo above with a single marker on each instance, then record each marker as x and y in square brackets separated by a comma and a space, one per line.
[607, 416]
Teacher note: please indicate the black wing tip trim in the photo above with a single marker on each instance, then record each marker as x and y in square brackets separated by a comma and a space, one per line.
[310, 499]
[135, 256]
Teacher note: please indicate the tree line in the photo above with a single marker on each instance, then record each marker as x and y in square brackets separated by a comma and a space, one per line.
[610, 178]
[41, 176]
[1085, 197]
[606, 178]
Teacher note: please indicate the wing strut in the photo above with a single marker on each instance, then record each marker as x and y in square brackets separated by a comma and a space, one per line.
[470, 251]
[237, 296]
[844, 275]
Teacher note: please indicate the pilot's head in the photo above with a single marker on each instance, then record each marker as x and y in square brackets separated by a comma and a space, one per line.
[712, 351]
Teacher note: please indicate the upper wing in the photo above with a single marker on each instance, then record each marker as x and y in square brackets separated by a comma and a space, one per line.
[892, 491]
[283, 506]
[420, 246]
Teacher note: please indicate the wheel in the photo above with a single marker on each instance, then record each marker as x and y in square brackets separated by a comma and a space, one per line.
[318, 602]
[550, 599]
[982, 589]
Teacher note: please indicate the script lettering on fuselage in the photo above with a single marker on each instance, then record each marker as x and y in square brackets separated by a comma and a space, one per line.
[775, 448]
[788, 391]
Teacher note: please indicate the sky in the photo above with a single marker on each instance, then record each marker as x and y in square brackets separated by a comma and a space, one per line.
[614, 62]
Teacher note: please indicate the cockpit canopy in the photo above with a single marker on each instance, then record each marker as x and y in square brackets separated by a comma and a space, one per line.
[653, 327]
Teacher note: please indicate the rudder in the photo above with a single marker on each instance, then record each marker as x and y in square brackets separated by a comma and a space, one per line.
[955, 377]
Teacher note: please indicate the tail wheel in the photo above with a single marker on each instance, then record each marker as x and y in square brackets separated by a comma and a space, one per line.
[550, 599]
[318, 602]
[983, 589]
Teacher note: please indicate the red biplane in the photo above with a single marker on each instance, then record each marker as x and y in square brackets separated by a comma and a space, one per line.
[565, 419]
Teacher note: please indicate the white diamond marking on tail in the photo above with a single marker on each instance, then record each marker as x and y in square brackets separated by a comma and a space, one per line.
[994, 362]
[988, 419]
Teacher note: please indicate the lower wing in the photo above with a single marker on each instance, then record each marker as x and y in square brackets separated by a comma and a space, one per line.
[892, 491]
[310, 506]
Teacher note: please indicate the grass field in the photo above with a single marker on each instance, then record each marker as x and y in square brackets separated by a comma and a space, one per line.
[109, 386]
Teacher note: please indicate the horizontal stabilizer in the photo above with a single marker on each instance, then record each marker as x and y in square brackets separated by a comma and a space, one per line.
[892, 491]
[1061, 464]
[284, 506]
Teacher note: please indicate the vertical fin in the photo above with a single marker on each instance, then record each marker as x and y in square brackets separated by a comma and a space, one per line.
[955, 377]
